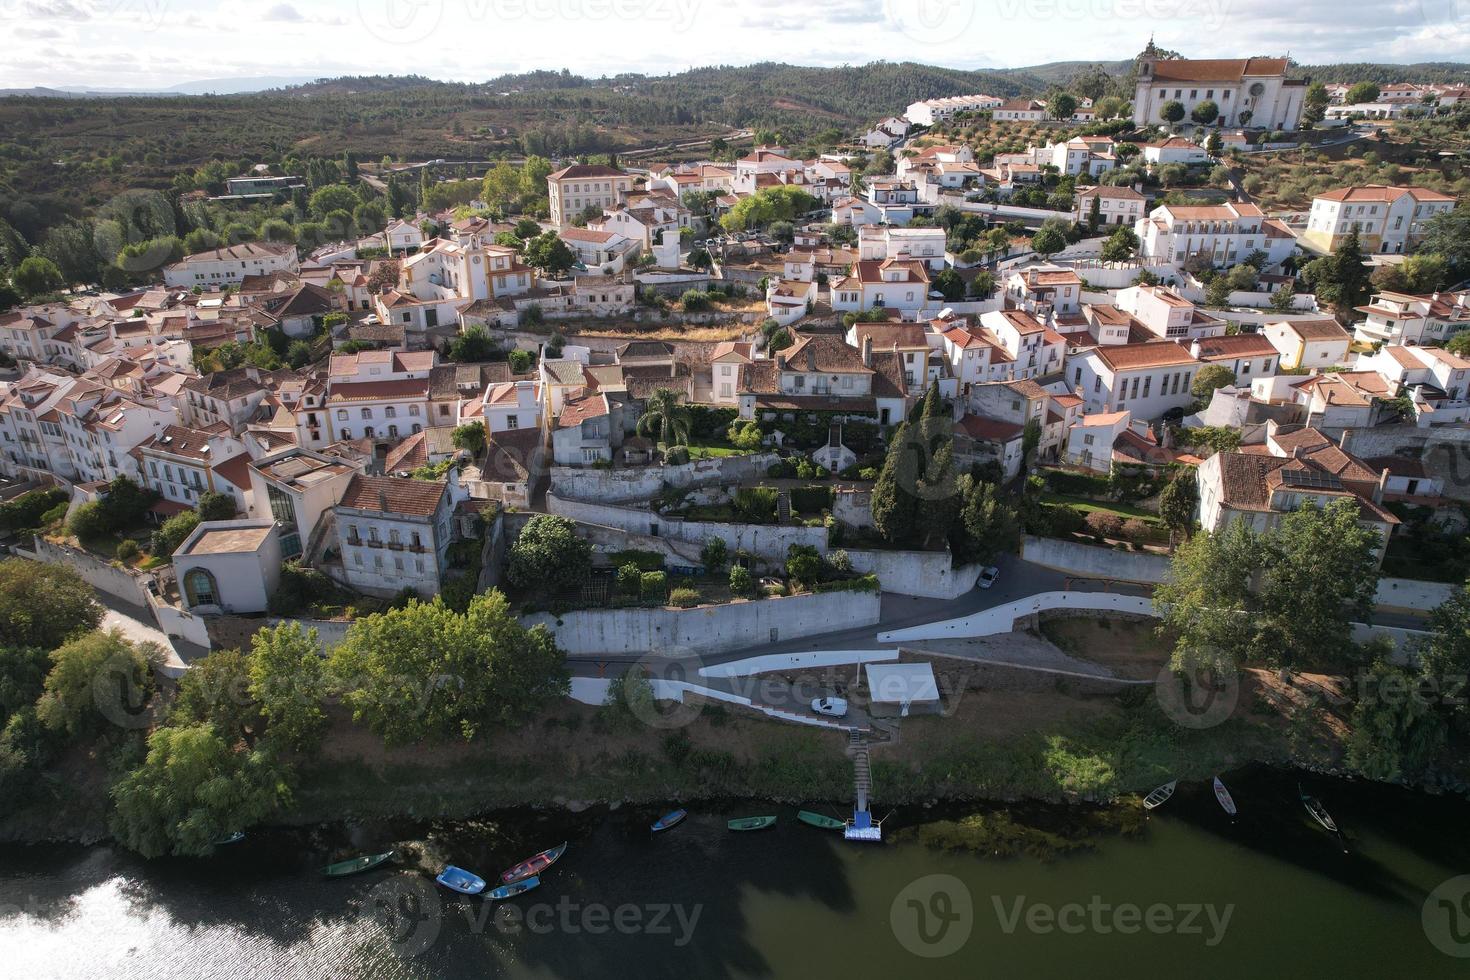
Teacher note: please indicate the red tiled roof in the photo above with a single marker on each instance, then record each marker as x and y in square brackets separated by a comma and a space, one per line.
[393, 495]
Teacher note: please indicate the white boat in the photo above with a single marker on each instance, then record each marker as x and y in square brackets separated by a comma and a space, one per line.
[1161, 795]
[1227, 802]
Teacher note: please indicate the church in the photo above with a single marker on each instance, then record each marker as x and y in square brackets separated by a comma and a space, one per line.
[1252, 92]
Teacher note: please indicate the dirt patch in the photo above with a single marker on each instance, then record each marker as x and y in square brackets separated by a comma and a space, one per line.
[1129, 648]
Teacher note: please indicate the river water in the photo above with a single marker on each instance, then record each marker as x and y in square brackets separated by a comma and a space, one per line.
[1191, 894]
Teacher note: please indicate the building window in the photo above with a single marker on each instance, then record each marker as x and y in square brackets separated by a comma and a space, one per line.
[513, 421]
[200, 588]
[367, 413]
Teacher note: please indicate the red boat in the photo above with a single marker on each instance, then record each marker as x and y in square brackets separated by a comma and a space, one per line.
[534, 865]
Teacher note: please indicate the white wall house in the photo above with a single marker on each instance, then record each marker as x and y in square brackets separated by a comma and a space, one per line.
[1115, 205]
[1248, 91]
[895, 284]
[229, 566]
[1406, 319]
[583, 187]
[395, 533]
[1312, 344]
[1146, 379]
[1387, 219]
[227, 266]
[1224, 234]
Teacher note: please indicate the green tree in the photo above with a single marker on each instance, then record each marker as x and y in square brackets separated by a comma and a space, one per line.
[1350, 275]
[1209, 378]
[193, 789]
[474, 344]
[713, 554]
[1094, 214]
[424, 672]
[333, 197]
[167, 538]
[1314, 102]
[44, 605]
[1393, 730]
[216, 690]
[215, 506]
[983, 284]
[23, 673]
[36, 276]
[470, 437]
[741, 582]
[1120, 245]
[804, 565]
[1214, 145]
[1171, 111]
[1177, 503]
[1205, 112]
[550, 254]
[548, 555]
[1362, 92]
[1048, 241]
[287, 680]
[1207, 602]
[1063, 106]
[986, 525]
[664, 414]
[96, 680]
[950, 285]
[1448, 236]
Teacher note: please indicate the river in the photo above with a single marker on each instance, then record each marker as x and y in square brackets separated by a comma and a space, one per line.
[1190, 894]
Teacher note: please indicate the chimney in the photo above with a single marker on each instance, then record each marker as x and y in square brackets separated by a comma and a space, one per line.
[868, 351]
[780, 361]
[811, 358]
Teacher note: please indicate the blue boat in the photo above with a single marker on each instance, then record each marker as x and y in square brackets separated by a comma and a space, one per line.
[671, 819]
[512, 890]
[460, 880]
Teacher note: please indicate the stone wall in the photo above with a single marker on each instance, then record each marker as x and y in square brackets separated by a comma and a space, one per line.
[1094, 562]
[129, 586]
[929, 574]
[628, 484]
[767, 541]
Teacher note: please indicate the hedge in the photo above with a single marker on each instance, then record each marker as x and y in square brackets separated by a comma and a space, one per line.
[811, 500]
[684, 598]
[756, 505]
[867, 583]
[647, 561]
[655, 585]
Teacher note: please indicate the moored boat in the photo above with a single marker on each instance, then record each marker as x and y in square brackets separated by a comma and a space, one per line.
[671, 819]
[1227, 802]
[1161, 795]
[460, 880]
[820, 820]
[1316, 809]
[504, 892]
[534, 865]
[352, 866]
[751, 823]
[234, 838]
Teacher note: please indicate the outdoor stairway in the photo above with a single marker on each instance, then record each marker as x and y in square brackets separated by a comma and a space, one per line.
[862, 773]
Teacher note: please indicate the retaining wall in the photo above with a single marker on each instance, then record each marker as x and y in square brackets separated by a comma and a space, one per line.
[1001, 619]
[642, 483]
[707, 629]
[929, 574]
[768, 541]
[1094, 562]
[120, 583]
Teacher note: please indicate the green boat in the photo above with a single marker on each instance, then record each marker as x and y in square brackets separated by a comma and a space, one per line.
[751, 823]
[352, 866]
[820, 820]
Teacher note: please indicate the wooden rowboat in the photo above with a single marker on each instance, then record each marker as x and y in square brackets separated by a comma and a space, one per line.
[1161, 795]
[352, 866]
[534, 865]
[671, 819]
[751, 823]
[460, 880]
[820, 820]
[1227, 802]
[512, 890]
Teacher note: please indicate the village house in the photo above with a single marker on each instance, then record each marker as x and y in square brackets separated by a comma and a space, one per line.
[896, 284]
[1409, 320]
[1175, 149]
[588, 429]
[395, 533]
[1387, 219]
[1035, 349]
[726, 362]
[608, 251]
[1222, 234]
[1115, 205]
[1313, 344]
[927, 112]
[1019, 110]
[1343, 399]
[1167, 315]
[229, 566]
[1248, 355]
[821, 373]
[1147, 379]
[584, 188]
[1434, 379]
[230, 264]
[296, 487]
[381, 395]
[183, 464]
[1095, 441]
[879, 242]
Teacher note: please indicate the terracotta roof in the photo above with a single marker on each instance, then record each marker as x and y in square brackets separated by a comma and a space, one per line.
[1323, 329]
[586, 171]
[1216, 70]
[236, 469]
[409, 454]
[822, 353]
[990, 430]
[393, 495]
[180, 440]
[886, 335]
[1382, 193]
[1126, 357]
[514, 455]
[402, 390]
[1239, 345]
[581, 407]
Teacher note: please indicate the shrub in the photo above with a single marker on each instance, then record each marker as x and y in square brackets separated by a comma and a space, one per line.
[706, 420]
[1104, 525]
[630, 579]
[839, 562]
[643, 560]
[803, 564]
[676, 455]
[684, 598]
[713, 554]
[34, 508]
[89, 521]
[520, 361]
[865, 583]
[805, 470]
[167, 538]
[868, 473]
[756, 505]
[300, 588]
[55, 514]
[215, 506]
[745, 434]
[1077, 484]
[654, 585]
[741, 582]
[128, 550]
[1135, 529]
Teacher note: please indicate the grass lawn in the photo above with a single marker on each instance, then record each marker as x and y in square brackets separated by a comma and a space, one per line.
[1084, 504]
[713, 448]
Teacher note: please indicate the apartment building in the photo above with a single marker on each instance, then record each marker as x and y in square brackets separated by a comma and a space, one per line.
[1387, 219]
[583, 188]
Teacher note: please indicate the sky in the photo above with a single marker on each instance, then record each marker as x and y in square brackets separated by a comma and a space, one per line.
[157, 43]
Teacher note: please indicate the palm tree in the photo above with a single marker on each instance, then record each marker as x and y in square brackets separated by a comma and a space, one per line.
[664, 412]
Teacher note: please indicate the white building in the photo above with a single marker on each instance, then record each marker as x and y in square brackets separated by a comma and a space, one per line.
[895, 284]
[879, 242]
[1248, 91]
[1167, 315]
[1223, 234]
[1115, 205]
[227, 266]
[229, 566]
[1175, 149]
[1387, 219]
[1313, 344]
[1146, 379]
[930, 111]
[1406, 319]
[585, 187]
[379, 394]
[395, 533]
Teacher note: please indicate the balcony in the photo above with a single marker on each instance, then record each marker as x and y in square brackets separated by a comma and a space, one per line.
[395, 545]
[374, 543]
[355, 541]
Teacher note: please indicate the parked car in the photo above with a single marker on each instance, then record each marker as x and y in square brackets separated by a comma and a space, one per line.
[836, 707]
[987, 578]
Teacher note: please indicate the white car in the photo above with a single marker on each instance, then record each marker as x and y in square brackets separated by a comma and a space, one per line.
[836, 707]
[987, 578]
